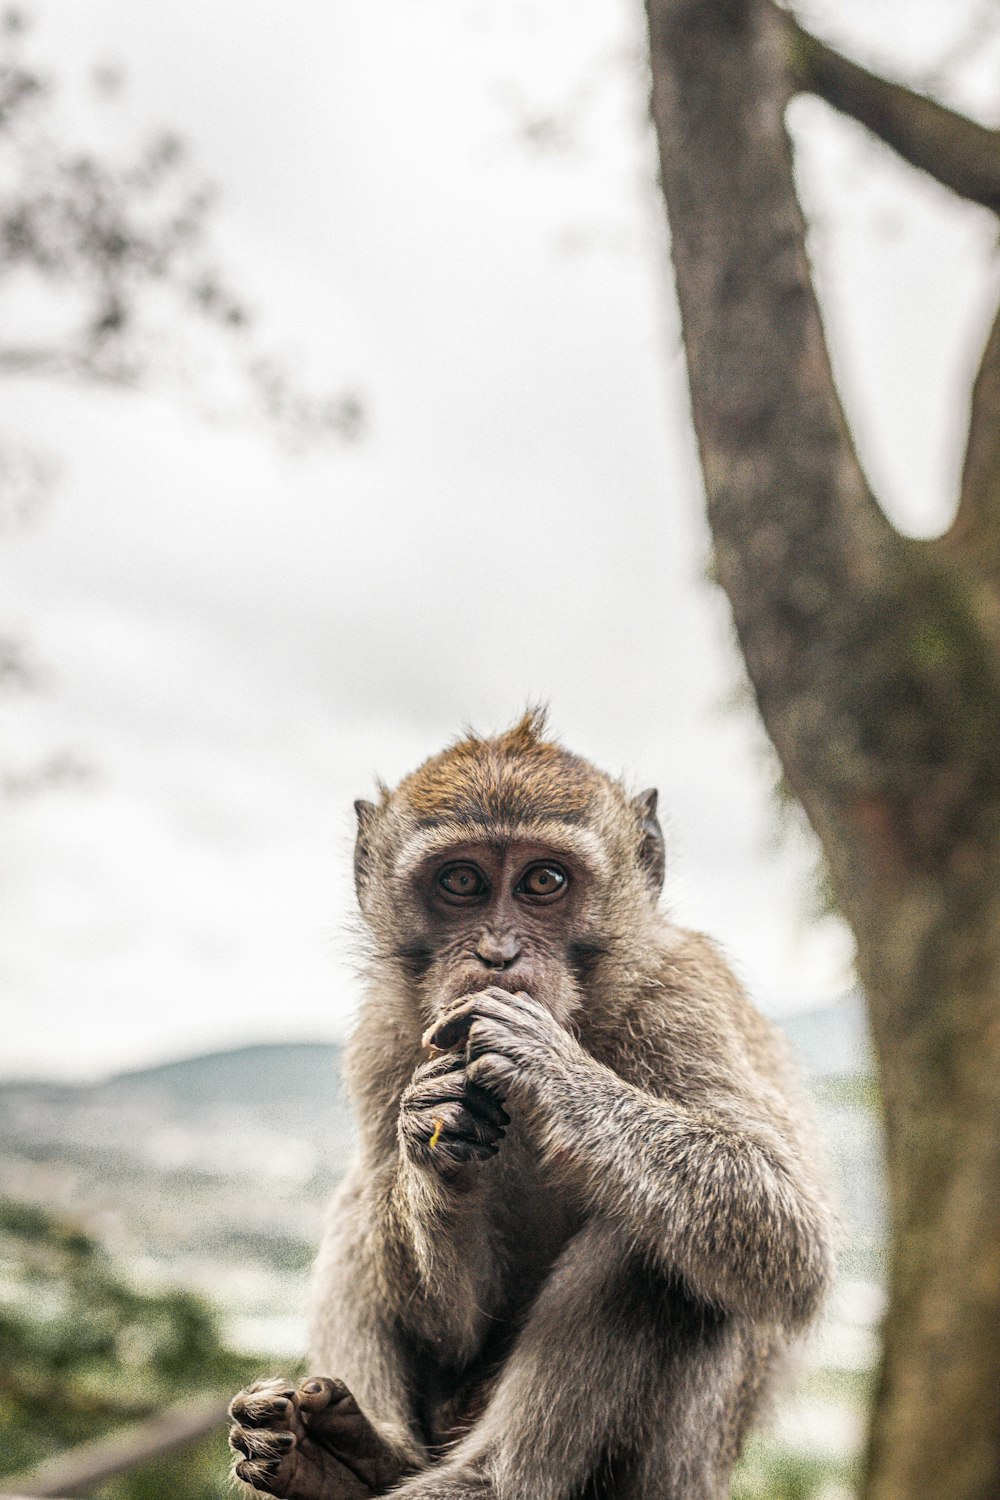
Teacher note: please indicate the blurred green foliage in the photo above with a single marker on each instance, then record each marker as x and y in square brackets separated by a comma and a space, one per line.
[769, 1471]
[83, 1351]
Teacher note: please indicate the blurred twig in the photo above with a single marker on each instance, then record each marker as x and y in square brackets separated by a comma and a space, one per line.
[81, 1468]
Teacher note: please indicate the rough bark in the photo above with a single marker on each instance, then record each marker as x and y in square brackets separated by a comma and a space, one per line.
[877, 671]
[976, 530]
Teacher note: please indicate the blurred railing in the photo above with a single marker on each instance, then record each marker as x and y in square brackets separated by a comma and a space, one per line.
[79, 1469]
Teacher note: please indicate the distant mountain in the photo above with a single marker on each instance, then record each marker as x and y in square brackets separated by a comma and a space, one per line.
[265, 1072]
[277, 1109]
[268, 1075]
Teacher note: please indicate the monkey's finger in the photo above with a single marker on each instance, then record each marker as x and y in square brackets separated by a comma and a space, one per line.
[494, 1005]
[260, 1442]
[274, 1476]
[274, 1385]
[448, 1030]
[519, 1001]
[430, 1141]
[320, 1391]
[460, 1148]
[476, 1101]
[255, 1474]
[452, 1029]
[450, 1120]
[484, 1104]
[489, 1035]
[493, 1071]
[441, 1066]
[466, 1122]
[266, 1403]
[422, 1094]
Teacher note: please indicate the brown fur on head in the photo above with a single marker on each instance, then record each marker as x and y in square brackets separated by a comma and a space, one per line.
[515, 790]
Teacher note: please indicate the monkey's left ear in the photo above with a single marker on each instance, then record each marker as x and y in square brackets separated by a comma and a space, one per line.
[362, 853]
[652, 851]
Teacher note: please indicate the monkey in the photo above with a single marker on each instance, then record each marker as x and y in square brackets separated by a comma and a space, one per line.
[587, 1214]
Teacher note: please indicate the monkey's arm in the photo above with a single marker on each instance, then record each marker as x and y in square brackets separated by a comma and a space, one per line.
[719, 1193]
[716, 1194]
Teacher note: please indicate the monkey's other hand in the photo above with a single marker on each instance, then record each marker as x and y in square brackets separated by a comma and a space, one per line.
[510, 1041]
[446, 1121]
[312, 1442]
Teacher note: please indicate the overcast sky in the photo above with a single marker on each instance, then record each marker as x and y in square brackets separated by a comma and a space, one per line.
[240, 641]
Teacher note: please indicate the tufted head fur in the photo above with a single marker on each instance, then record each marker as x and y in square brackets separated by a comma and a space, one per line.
[515, 778]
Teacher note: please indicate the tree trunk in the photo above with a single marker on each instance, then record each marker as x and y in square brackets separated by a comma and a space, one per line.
[932, 974]
[876, 665]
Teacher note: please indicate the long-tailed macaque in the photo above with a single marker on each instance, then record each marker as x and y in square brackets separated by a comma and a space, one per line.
[586, 1215]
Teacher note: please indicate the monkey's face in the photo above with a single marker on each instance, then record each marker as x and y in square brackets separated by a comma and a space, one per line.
[508, 914]
[507, 862]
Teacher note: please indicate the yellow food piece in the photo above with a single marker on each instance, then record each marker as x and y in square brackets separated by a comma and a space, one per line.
[438, 1127]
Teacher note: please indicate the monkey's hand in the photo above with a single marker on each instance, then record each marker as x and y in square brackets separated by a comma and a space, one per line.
[309, 1443]
[507, 1042]
[446, 1121]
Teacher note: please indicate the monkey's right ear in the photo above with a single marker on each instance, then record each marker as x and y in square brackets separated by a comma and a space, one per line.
[652, 851]
[362, 847]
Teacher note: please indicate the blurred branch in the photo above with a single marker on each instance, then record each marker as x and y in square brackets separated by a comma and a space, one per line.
[61, 362]
[20, 670]
[82, 1468]
[26, 480]
[60, 771]
[958, 152]
[124, 241]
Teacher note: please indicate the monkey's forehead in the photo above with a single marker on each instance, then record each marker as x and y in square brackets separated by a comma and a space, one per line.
[482, 781]
[425, 842]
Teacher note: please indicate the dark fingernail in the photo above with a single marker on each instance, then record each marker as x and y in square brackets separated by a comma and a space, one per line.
[312, 1387]
[285, 1440]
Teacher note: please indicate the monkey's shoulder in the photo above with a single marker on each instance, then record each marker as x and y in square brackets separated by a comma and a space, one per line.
[686, 1026]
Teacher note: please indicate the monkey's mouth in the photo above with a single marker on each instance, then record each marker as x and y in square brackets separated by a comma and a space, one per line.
[519, 980]
[564, 1004]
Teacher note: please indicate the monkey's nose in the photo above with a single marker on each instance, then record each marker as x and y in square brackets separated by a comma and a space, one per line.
[497, 950]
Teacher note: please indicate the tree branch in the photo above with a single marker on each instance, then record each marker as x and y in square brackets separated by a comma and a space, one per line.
[87, 1465]
[855, 641]
[964, 156]
[958, 152]
[976, 528]
[64, 363]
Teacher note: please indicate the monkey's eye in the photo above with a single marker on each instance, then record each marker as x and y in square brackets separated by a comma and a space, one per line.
[461, 882]
[543, 882]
